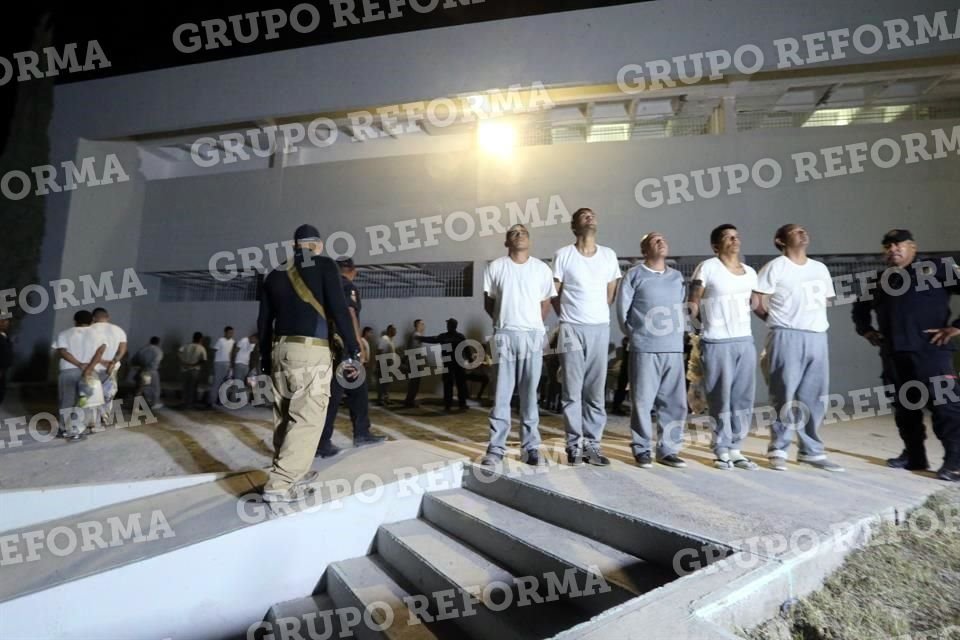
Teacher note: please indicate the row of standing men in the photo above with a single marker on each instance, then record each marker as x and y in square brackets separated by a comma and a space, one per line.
[304, 301]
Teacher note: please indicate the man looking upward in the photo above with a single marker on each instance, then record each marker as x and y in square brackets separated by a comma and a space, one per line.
[517, 289]
[586, 276]
[720, 292]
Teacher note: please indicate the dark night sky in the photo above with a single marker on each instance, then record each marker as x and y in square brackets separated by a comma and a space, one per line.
[138, 37]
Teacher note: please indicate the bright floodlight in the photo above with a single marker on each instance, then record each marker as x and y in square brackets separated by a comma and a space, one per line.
[496, 138]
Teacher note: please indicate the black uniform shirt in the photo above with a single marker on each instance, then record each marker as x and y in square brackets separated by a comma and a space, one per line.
[352, 294]
[449, 339]
[905, 311]
[284, 313]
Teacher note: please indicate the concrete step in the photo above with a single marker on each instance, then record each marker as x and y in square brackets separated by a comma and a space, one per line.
[309, 617]
[655, 543]
[482, 598]
[532, 547]
[379, 607]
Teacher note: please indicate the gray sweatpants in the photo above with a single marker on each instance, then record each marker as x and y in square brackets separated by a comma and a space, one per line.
[151, 392]
[657, 381]
[67, 384]
[730, 380]
[67, 387]
[519, 358]
[220, 371]
[799, 382]
[583, 356]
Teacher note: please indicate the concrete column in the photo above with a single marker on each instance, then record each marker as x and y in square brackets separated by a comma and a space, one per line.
[723, 120]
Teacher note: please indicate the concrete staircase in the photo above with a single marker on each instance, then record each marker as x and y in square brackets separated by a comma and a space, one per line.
[497, 558]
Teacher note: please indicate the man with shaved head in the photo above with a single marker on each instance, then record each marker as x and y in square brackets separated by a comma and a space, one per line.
[791, 296]
[517, 289]
[650, 310]
[586, 276]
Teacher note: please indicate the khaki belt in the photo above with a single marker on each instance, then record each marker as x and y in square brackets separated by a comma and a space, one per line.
[313, 342]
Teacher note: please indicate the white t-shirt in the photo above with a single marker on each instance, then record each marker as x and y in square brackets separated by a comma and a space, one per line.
[244, 349]
[725, 305]
[385, 345]
[798, 293]
[519, 290]
[81, 342]
[583, 297]
[110, 335]
[223, 347]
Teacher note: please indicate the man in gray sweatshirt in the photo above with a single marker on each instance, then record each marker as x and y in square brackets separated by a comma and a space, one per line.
[651, 311]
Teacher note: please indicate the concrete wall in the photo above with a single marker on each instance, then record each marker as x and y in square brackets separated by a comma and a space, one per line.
[234, 578]
[186, 221]
[566, 48]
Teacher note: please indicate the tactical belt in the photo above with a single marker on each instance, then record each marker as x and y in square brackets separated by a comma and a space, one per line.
[313, 342]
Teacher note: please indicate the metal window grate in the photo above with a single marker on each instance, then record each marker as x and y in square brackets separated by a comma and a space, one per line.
[546, 133]
[747, 121]
[201, 286]
[422, 280]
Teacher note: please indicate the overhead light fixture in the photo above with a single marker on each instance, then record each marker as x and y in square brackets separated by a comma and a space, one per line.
[496, 137]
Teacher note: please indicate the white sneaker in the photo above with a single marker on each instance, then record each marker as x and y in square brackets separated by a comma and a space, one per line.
[778, 464]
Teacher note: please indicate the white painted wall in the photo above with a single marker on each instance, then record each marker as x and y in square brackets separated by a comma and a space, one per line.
[23, 508]
[219, 587]
[185, 221]
[566, 48]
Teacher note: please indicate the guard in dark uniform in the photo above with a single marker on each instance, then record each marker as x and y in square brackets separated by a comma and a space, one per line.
[356, 393]
[301, 302]
[915, 340]
[453, 372]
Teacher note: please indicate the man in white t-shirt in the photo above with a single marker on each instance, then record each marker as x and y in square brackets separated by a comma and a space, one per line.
[386, 351]
[222, 363]
[720, 290]
[517, 289]
[241, 358]
[791, 296]
[116, 340]
[75, 347]
[586, 276]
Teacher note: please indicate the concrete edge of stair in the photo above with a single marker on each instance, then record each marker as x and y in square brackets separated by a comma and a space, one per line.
[474, 619]
[640, 537]
[521, 557]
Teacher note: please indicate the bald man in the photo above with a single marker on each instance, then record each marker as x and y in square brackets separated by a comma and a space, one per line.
[650, 308]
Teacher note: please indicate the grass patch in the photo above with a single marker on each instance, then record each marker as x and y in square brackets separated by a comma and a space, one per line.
[904, 585]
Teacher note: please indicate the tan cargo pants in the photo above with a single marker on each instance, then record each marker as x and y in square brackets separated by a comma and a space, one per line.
[301, 392]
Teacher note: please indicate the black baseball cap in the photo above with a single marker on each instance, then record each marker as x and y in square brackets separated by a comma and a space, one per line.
[306, 233]
[896, 235]
[345, 263]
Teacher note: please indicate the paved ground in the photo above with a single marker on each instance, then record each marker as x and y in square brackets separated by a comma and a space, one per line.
[188, 442]
[727, 506]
